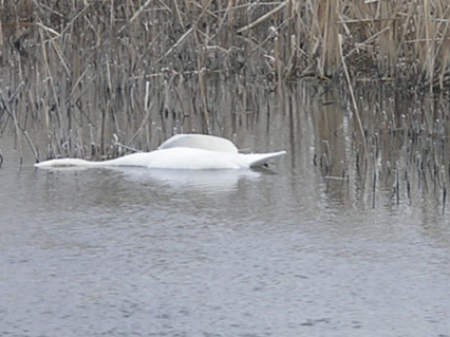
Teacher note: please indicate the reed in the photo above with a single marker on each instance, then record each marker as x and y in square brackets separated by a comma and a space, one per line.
[408, 160]
[80, 58]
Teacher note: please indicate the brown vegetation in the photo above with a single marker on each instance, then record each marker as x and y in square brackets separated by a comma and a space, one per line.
[94, 74]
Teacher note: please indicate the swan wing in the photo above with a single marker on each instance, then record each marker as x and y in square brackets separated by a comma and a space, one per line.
[198, 141]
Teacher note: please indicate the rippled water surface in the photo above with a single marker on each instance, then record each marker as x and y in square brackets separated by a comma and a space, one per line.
[278, 252]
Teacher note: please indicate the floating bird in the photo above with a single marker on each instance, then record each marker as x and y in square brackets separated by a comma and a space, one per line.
[183, 151]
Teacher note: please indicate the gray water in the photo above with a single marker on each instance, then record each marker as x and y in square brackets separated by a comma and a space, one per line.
[278, 252]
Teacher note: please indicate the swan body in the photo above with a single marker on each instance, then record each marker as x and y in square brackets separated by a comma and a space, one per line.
[185, 151]
[206, 142]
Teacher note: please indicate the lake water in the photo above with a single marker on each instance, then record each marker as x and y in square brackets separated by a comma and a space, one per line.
[287, 251]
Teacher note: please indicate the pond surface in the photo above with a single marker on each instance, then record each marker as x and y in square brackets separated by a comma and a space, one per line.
[279, 252]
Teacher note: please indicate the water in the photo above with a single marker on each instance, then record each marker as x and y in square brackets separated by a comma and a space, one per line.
[287, 251]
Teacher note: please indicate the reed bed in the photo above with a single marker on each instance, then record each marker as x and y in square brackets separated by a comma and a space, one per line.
[96, 79]
[408, 149]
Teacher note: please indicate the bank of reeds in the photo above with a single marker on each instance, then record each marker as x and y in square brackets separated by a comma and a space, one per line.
[99, 77]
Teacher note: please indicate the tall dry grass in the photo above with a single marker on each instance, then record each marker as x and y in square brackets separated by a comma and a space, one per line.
[99, 77]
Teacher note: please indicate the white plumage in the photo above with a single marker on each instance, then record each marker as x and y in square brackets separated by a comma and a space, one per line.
[184, 151]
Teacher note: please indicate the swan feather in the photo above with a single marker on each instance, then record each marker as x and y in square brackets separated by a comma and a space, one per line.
[190, 152]
[198, 141]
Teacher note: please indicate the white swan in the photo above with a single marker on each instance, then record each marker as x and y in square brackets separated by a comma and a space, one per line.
[183, 151]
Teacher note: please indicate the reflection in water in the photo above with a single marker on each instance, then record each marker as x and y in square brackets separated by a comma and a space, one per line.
[201, 181]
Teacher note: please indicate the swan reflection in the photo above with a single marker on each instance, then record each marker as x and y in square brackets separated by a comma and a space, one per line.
[204, 180]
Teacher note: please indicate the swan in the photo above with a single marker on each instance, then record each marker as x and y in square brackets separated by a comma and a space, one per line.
[182, 151]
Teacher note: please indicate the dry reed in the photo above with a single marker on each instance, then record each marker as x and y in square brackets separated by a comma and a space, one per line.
[99, 77]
